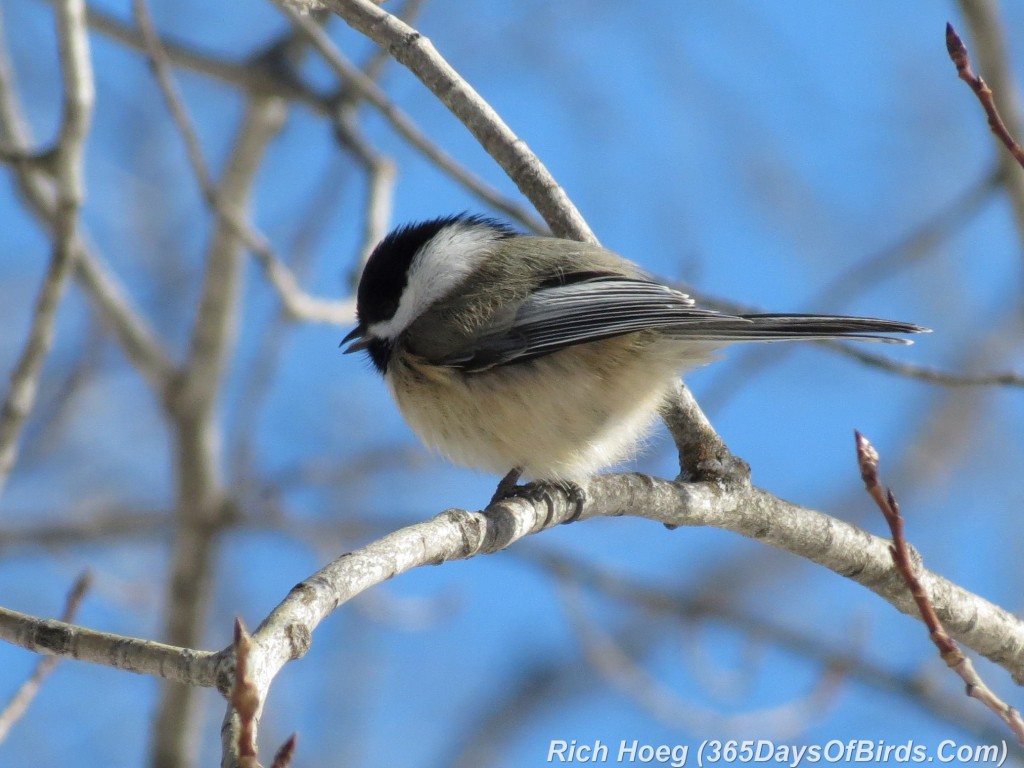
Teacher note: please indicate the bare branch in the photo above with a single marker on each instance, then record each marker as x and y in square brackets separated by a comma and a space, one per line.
[987, 30]
[214, 327]
[132, 331]
[458, 534]
[110, 525]
[416, 52]
[907, 564]
[365, 87]
[911, 247]
[161, 69]
[703, 455]
[242, 74]
[689, 607]
[21, 395]
[201, 502]
[245, 705]
[374, 65]
[379, 199]
[958, 54]
[36, 186]
[257, 380]
[381, 174]
[651, 693]
[79, 96]
[927, 373]
[44, 160]
[19, 703]
[296, 302]
[866, 273]
[258, 81]
[144, 657]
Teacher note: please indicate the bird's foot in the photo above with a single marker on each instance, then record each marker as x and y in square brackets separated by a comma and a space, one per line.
[541, 491]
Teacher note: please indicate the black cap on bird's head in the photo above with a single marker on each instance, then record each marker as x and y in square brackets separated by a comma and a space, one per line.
[389, 270]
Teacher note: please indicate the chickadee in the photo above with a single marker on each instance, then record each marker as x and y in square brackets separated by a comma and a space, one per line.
[544, 355]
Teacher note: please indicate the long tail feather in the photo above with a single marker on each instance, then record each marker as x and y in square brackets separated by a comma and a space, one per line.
[792, 327]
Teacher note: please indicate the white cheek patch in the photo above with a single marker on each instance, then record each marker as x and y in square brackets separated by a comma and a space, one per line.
[445, 261]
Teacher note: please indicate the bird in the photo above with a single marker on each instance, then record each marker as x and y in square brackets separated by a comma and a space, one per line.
[542, 357]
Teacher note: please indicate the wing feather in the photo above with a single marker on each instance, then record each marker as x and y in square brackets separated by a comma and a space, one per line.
[577, 313]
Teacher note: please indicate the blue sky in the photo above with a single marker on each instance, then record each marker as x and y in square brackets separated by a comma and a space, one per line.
[755, 151]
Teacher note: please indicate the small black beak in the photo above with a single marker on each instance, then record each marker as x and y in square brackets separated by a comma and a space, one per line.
[361, 340]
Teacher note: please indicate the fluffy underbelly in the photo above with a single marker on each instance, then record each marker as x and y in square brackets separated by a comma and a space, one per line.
[559, 417]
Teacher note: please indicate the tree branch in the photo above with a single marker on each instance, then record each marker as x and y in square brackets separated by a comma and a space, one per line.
[910, 248]
[79, 96]
[364, 86]
[927, 373]
[459, 534]
[987, 30]
[131, 654]
[417, 53]
[749, 511]
[689, 607]
[19, 703]
[962, 61]
[107, 295]
[110, 525]
[252, 78]
[201, 498]
[907, 563]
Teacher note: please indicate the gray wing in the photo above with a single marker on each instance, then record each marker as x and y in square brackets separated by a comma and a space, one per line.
[576, 313]
[580, 308]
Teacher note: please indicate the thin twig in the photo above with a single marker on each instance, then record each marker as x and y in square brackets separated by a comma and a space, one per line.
[417, 53]
[35, 184]
[21, 395]
[907, 564]
[881, 362]
[259, 377]
[44, 160]
[201, 505]
[133, 332]
[161, 70]
[133, 654]
[380, 185]
[689, 607]
[958, 54]
[866, 273]
[356, 80]
[988, 33]
[78, 99]
[101, 527]
[256, 80]
[242, 74]
[911, 247]
[19, 703]
[651, 693]
[927, 373]
[380, 195]
[299, 304]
